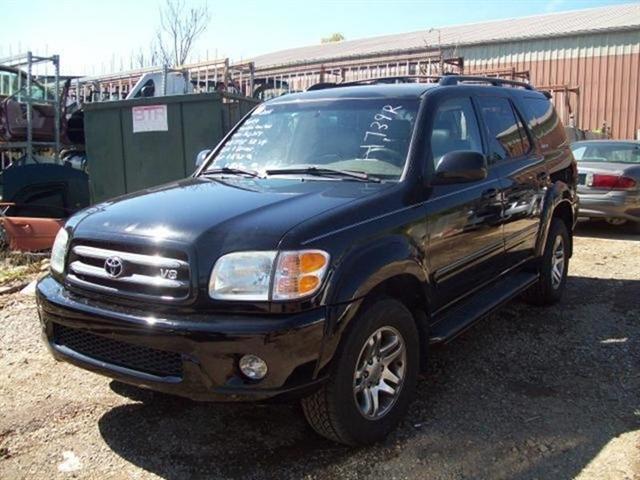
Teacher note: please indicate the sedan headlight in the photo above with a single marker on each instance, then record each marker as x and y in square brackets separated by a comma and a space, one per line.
[270, 275]
[59, 251]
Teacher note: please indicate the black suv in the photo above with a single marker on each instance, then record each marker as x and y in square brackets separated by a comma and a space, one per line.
[321, 248]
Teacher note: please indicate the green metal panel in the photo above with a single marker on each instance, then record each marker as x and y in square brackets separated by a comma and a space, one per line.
[204, 130]
[153, 158]
[106, 172]
[122, 161]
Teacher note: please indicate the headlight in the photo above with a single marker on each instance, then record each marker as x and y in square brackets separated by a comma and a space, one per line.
[242, 276]
[270, 275]
[59, 250]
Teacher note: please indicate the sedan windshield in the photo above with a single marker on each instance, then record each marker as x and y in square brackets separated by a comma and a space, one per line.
[366, 136]
[607, 152]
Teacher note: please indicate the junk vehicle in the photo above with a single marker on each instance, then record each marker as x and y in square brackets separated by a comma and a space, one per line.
[322, 248]
[609, 180]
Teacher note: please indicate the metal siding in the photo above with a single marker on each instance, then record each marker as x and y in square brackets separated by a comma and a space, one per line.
[527, 29]
[605, 66]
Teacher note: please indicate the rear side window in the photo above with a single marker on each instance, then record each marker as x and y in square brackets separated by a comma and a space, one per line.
[544, 122]
[454, 128]
[507, 135]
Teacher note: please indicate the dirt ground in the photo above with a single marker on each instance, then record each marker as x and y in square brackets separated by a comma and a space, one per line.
[546, 393]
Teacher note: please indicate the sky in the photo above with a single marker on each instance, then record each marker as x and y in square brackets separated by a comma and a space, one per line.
[94, 37]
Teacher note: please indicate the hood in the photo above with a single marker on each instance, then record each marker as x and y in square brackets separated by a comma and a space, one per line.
[230, 214]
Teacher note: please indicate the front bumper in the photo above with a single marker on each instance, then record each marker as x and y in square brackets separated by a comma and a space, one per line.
[612, 204]
[204, 348]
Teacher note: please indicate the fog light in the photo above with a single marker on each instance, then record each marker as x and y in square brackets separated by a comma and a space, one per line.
[253, 367]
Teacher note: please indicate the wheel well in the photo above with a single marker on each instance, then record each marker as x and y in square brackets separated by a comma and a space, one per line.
[408, 290]
[563, 212]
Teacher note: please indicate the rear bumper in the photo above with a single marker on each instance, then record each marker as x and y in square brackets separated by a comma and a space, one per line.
[613, 204]
[201, 351]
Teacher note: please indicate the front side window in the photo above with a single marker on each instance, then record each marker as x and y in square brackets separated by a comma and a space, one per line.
[507, 136]
[370, 136]
[454, 128]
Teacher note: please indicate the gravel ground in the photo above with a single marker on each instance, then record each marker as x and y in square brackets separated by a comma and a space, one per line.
[530, 393]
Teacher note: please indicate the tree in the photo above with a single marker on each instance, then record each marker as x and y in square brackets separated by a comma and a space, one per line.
[179, 28]
[336, 37]
[140, 59]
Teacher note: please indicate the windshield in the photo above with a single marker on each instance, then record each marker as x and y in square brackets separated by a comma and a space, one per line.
[607, 152]
[357, 135]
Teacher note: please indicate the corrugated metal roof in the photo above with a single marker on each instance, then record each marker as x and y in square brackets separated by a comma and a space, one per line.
[619, 17]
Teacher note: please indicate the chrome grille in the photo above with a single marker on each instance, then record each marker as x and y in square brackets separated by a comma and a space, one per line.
[140, 275]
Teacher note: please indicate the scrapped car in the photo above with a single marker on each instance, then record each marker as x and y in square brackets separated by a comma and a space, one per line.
[13, 107]
[609, 180]
[322, 248]
[36, 201]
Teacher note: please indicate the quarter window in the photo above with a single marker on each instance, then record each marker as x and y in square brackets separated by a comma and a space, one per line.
[507, 135]
[544, 122]
[454, 128]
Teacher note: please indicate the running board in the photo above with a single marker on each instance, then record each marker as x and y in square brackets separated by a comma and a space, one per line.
[455, 321]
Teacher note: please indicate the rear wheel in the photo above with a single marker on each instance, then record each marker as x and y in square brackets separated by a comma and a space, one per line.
[373, 377]
[554, 267]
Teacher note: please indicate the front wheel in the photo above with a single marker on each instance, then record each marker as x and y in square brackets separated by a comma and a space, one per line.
[554, 267]
[373, 377]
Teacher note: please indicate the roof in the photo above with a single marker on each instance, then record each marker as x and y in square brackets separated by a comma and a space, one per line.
[593, 20]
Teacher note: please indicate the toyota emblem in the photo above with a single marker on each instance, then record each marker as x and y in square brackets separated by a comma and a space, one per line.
[113, 266]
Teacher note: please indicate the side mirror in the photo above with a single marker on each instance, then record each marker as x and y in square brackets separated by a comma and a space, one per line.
[147, 91]
[460, 166]
[201, 157]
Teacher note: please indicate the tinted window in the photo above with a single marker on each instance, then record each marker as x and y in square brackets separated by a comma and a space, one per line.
[544, 122]
[507, 137]
[454, 128]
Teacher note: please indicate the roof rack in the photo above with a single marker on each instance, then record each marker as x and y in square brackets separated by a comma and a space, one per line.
[391, 80]
[375, 81]
[447, 80]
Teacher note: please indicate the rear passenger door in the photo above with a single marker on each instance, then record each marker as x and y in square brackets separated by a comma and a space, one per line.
[522, 171]
[465, 234]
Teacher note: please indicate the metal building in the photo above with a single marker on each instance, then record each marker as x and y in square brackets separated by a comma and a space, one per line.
[589, 59]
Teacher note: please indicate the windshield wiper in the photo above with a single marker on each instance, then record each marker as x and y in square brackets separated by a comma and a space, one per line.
[231, 171]
[324, 172]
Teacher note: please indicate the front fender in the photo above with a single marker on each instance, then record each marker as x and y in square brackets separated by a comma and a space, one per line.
[360, 270]
[557, 194]
[364, 267]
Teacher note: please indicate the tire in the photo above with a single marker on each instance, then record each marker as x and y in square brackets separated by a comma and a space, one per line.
[340, 414]
[551, 284]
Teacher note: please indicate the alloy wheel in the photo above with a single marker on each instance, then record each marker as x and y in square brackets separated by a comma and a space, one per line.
[380, 373]
[557, 262]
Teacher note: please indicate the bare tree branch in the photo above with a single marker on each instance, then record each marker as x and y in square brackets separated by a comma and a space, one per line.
[179, 29]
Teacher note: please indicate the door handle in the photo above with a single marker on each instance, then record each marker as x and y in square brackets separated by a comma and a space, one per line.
[489, 194]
